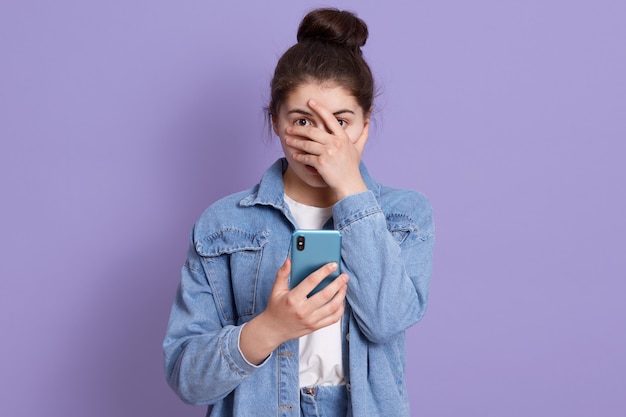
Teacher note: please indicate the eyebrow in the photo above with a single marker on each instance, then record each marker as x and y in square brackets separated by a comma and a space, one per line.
[308, 113]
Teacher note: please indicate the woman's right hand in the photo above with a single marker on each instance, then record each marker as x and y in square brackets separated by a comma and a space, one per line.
[290, 314]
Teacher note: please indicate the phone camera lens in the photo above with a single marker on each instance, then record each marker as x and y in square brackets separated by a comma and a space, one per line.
[300, 243]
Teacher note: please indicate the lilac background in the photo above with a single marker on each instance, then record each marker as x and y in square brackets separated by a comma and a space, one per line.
[120, 121]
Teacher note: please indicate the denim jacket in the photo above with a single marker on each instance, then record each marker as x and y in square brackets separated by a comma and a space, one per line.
[236, 248]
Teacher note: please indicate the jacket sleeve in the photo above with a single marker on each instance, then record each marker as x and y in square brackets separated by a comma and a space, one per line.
[203, 363]
[388, 257]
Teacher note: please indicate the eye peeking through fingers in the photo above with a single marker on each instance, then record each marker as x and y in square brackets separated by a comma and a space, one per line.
[342, 122]
[302, 122]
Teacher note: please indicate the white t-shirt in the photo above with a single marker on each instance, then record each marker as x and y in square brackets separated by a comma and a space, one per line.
[320, 352]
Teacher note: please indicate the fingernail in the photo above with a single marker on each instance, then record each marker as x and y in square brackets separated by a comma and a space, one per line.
[312, 102]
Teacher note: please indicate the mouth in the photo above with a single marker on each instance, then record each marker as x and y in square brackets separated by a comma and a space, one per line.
[312, 170]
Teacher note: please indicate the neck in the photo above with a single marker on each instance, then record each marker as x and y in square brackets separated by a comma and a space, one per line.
[303, 193]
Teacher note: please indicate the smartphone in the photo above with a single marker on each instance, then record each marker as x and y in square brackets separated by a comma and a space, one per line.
[312, 249]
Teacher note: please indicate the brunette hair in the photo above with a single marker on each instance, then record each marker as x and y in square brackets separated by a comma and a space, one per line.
[328, 49]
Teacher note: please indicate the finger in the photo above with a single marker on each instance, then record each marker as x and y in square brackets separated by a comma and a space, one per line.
[305, 145]
[281, 283]
[329, 119]
[310, 133]
[332, 311]
[306, 158]
[309, 283]
[331, 290]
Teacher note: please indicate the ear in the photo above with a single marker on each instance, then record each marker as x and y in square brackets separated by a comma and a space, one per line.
[367, 115]
[362, 139]
[274, 121]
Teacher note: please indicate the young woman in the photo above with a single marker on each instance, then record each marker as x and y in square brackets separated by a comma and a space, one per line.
[239, 339]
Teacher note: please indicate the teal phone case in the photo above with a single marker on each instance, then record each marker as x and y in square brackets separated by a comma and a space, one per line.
[310, 250]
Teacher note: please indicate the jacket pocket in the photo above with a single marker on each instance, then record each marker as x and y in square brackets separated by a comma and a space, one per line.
[400, 226]
[232, 259]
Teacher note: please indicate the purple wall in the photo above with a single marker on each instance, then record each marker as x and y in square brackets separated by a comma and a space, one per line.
[120, 121]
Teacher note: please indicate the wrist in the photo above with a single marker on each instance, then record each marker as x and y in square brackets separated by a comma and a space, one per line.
[257, 340]
[350, 189]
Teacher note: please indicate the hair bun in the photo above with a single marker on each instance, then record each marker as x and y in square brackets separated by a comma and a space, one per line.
[333, 25]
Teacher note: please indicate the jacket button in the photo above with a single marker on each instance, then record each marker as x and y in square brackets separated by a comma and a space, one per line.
[348, 337]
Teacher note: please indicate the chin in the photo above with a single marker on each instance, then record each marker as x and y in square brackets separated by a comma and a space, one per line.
[314, 181]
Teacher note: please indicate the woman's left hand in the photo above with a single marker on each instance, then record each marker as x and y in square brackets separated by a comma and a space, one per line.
[330, 149]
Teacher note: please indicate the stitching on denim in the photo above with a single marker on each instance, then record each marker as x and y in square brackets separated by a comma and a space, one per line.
[256, 282]
[211, 280]
[191, 268]
[392, 218]
[358, 216]
[256, 241]
[231, 364]
[222, 232]
[259, 236]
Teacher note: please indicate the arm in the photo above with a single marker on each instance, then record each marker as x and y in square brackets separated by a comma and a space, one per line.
[389, 277]
[206, 357]
[203, 363]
